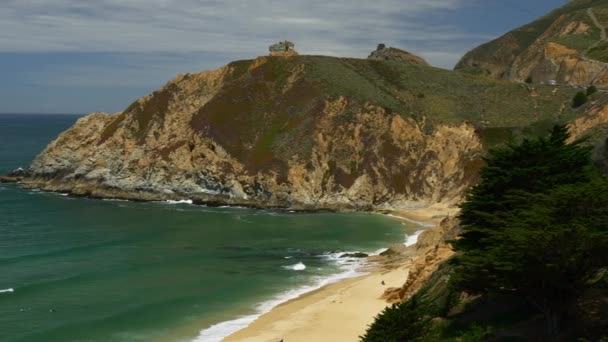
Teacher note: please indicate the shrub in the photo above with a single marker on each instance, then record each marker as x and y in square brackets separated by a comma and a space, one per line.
[579, 99]
[476, 333]
[407, 321]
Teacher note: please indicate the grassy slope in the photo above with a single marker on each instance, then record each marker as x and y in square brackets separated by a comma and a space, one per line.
[527, 34]
[440, 95]
[254, 102]
[263, 123]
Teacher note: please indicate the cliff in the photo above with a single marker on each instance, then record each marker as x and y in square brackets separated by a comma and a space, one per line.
[305, 132]
[569, 46]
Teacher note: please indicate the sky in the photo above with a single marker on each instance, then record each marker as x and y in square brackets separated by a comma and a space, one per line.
[81, 56]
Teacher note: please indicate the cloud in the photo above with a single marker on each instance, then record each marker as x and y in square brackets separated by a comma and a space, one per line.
[83, 56]
[242, 27]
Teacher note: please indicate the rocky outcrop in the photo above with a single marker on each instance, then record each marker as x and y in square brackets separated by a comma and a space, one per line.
[305, 132]
[567, 46]
[430, 252]
[393, 54]
[376, 159]
[596, 115]
[593, 126]
[199, 138]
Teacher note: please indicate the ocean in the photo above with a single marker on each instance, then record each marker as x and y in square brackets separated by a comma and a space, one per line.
[77, 269]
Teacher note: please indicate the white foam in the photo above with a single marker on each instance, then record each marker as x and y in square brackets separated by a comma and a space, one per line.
[180, 202]
[113, 200]
[231, 207]
[217, 332]
[297, 267]
[411, 240]
[351, 268]
[7, 290]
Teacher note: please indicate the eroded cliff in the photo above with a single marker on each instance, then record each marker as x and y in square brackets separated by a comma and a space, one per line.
[305, 132]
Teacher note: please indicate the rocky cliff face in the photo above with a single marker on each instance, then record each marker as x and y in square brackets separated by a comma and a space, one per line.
[303, 132]
[568, 46]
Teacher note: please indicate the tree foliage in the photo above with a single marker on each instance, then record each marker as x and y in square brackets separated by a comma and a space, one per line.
[536, 225]
[579, 99]
[408, 321]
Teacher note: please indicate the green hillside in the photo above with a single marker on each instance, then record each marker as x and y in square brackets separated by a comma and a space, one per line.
[412, 91]
[497, 56]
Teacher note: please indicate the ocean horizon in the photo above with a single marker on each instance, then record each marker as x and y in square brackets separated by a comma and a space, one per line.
[75, 269]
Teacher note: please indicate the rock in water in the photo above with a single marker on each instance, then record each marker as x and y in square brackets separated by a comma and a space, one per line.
[354, 255]
[18, 172]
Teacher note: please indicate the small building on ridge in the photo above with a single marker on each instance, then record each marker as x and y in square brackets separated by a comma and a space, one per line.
[285, 49]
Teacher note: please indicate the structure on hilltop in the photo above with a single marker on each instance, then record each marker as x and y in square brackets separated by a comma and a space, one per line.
[384, 53]
[285, 48]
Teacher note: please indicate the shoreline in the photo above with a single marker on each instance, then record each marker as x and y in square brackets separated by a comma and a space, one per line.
[342, 310]
[350, 299]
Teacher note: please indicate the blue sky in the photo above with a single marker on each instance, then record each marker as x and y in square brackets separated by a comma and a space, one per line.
[77, 56]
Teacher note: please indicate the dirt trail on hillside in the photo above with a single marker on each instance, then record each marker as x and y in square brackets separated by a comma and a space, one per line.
[597, 23]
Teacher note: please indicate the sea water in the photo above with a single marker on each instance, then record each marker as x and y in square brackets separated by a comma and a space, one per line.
[76, 269]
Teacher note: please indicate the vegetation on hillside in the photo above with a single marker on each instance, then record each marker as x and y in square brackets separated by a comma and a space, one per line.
[259, 103]
[579, 99]
[531, 261]
[503, 51]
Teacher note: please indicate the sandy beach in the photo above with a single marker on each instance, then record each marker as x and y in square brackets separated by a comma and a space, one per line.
[336, 312]
[341, 311]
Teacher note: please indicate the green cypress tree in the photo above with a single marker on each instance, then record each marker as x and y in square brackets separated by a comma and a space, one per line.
[579, 99]
[407, 321]
[524, 232]
[554, 247]
[534, 166]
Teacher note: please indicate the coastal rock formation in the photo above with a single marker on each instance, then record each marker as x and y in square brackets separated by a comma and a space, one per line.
[304, 132]
[393, 54]
[430, 252]
[593, 126]
[568, 46]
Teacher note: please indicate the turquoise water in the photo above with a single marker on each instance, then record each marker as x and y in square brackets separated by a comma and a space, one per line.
[92, 270]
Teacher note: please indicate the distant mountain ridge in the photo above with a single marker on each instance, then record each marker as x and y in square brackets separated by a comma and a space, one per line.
[568, 45]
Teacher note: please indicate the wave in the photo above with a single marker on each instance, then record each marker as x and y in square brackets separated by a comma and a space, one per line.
[351, 268]
[7, 290]
[180, 202]
[411, 240]
[296, 267]
[218, 332]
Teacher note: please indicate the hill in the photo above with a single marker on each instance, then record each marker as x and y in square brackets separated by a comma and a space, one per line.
[393, 54]
[306, 132]
[568, 45]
